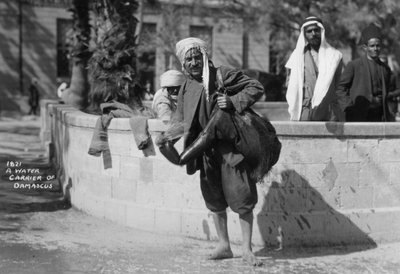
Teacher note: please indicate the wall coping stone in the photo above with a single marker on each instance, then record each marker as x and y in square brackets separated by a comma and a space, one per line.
[73, 117]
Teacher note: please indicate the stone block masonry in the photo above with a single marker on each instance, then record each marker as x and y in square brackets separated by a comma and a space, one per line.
[335, 183]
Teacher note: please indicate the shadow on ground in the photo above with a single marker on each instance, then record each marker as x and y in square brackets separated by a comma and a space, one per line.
[295, 215]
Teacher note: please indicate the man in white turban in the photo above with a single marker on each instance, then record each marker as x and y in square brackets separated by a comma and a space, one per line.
[165, 99]
[314, 72]
[224, 173]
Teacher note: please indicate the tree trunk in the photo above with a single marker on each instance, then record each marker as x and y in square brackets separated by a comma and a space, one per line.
[245, 39]
[354, 49]
[77, 93]
[139, 26]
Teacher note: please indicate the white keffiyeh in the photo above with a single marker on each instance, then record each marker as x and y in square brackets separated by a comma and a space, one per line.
[328, 60]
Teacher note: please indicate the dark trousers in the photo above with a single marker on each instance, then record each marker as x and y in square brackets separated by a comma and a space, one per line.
[364, 111]
[223, 185]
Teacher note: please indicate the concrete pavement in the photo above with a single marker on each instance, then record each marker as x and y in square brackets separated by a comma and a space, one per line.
[72, 242]
[40, 233]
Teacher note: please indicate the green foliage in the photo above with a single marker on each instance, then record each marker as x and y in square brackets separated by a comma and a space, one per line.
[112, 66]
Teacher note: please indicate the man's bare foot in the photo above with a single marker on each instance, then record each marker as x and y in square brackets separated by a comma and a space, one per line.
[249, 257]
[220, 253]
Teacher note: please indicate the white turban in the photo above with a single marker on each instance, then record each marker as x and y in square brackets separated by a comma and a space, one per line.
[183, 46]
[171, 78]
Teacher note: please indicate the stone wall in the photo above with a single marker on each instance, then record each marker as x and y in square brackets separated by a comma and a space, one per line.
[335, 183]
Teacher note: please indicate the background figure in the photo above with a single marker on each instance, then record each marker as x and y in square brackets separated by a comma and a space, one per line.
[63, 86]
[365, 84]
[314, 72]
[165, 99]
[224, 173]
[147, 92]
[33, 97]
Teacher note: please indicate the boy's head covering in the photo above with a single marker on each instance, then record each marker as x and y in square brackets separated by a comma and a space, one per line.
[183, 46]
[372, 31]
[171, 78]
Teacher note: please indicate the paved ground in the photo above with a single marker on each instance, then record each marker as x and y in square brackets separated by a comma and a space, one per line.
[40, 233]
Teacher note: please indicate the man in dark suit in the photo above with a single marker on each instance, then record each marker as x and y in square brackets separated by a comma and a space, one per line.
[364, 86]
[224, 174]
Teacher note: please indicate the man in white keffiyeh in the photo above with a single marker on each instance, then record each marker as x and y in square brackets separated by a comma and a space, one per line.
[314, 72]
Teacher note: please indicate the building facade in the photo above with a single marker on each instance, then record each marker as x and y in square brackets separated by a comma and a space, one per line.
[33, 44]
[29, 41]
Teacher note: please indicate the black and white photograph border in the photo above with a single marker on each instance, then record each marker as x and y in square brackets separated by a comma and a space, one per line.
[85, 190]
